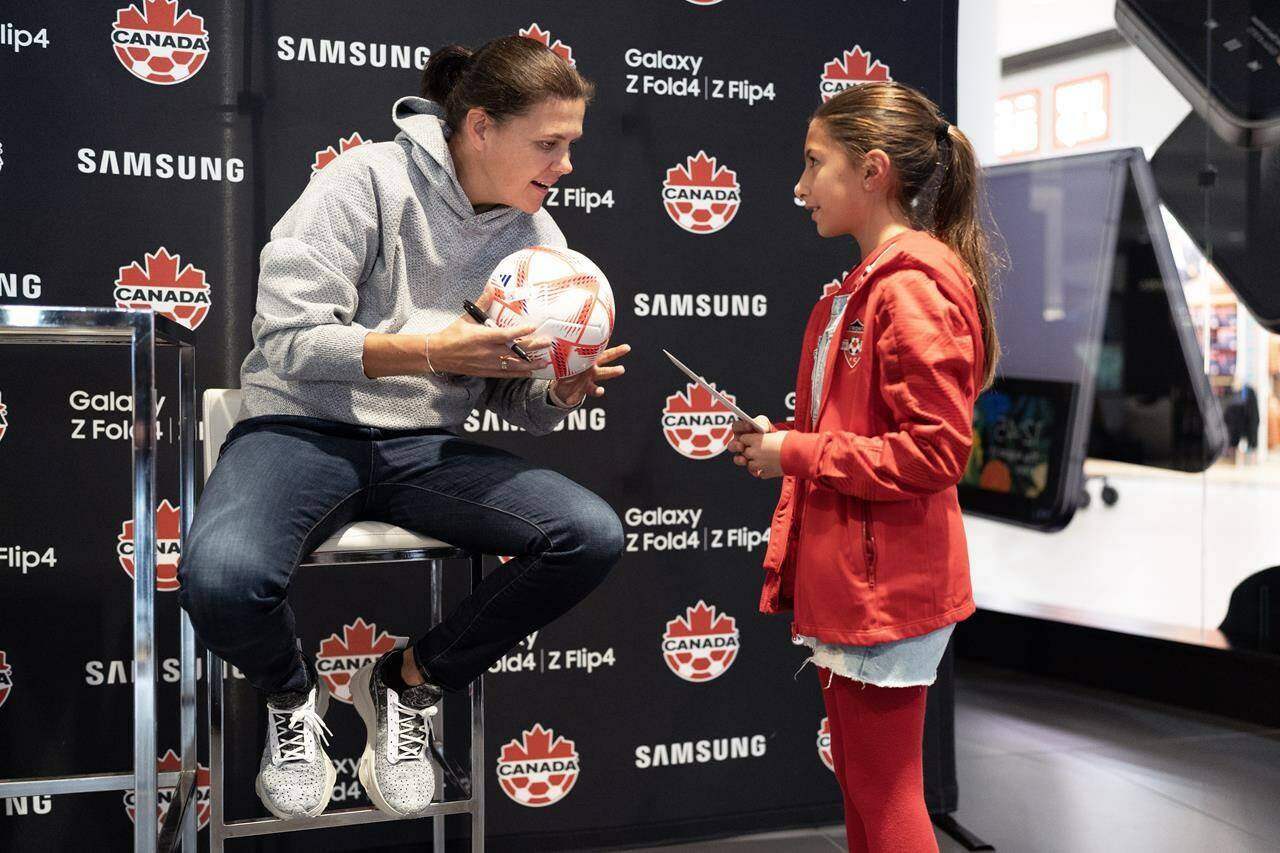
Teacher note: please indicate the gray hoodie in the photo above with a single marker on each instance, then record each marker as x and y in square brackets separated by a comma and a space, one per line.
[383, 239]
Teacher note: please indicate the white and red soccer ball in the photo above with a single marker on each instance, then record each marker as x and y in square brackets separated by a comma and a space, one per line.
[539, 768]
[702, 644]
[564, 296]
[157, 44]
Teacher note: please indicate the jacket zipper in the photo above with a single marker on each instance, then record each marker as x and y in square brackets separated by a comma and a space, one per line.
[869, 544]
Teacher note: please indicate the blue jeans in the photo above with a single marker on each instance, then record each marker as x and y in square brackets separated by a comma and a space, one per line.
[284, 484]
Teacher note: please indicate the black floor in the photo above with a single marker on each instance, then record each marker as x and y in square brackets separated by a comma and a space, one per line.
[1047, 767]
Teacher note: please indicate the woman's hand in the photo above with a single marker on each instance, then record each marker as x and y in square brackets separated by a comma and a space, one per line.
[759, 453]
[572, 390]
[468, 348]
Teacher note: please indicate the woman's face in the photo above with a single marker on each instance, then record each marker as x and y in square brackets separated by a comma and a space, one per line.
[519, 159]
[831, 185]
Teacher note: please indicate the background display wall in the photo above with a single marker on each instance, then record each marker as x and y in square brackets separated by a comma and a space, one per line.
[147, 149]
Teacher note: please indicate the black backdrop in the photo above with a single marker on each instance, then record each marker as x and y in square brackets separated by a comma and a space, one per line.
[116, 187]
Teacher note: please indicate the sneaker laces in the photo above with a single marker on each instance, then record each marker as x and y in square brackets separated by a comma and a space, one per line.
[410, 730]
[296, 730]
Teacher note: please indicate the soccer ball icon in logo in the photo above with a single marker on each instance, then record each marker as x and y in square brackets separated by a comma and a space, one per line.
[561, 293]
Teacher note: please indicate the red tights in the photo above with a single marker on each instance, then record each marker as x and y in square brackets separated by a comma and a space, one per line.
[876, 738]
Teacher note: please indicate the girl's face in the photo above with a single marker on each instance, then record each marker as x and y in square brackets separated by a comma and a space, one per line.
[521, 158]
[832, 186]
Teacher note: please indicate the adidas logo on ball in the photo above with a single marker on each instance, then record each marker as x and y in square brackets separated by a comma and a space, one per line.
[561, 293]
[702, 644]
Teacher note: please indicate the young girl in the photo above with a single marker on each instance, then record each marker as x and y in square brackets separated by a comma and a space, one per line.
[867, 544]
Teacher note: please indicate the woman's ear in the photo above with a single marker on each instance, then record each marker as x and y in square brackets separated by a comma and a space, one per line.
[478, 127]
[875, 170]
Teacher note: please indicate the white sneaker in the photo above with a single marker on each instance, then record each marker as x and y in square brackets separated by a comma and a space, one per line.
[396, 770]
[296, 777]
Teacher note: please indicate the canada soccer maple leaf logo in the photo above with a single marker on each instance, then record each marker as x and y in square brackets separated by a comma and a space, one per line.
[163, 285]
[696, 424]
[702, 644]
[171, 762]
[361, 643]
[559, 48]
[539, 768]
[856, 66]
[328, 155]
[168, 546]
[157, 44]
[6, 678]
[701, 196]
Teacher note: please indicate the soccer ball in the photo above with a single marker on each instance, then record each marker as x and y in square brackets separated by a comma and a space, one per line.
[564, 295]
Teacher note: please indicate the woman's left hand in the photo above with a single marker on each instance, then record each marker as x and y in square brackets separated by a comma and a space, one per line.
[573, 390]
[761, 453]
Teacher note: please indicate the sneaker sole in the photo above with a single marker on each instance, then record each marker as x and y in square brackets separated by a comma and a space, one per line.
[368, 713]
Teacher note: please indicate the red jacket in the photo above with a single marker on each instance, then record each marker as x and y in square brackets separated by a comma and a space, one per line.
[867, 543]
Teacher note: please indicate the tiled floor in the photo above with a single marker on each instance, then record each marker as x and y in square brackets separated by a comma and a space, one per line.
[1046, 767]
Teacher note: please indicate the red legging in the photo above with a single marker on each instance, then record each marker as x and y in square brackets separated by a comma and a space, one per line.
[876, 742]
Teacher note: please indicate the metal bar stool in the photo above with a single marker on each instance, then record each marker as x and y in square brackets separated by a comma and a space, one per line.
[142, 332]
[361, 542]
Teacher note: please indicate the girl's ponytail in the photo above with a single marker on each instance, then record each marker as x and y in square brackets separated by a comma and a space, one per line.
[957, 222]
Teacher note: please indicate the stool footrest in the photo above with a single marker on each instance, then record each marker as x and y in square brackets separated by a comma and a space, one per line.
[35, 786]
[339, 817]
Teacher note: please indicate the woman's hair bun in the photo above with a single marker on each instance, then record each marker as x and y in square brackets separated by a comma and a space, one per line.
[443, 70]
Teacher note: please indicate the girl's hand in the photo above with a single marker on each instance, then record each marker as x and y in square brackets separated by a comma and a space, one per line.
[759, 454]
[572, 390]
[740, 428]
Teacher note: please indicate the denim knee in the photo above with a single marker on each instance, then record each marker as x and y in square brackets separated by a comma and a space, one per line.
[594, 533]
[216, 586]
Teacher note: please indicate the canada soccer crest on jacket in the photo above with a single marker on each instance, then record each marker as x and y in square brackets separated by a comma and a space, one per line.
[160, 43]
[539, 768]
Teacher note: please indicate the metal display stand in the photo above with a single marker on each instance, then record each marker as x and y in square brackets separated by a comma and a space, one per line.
[141, 331]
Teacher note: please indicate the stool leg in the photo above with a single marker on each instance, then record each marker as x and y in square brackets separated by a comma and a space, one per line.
[437, 613]
[477, 736]
[217, 816]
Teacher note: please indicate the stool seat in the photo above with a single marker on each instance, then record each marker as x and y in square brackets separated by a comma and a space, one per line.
[378, 536]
